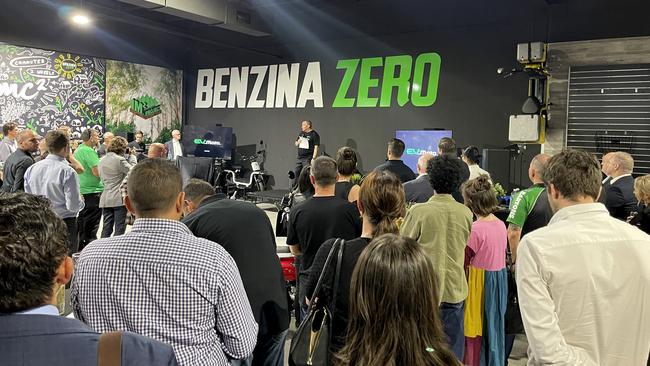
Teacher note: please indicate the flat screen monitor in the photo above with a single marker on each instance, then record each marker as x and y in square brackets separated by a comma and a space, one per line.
[212, 142]
[419, 142]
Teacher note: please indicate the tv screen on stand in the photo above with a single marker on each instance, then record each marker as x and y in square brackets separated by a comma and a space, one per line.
[213, 142]
[419, 142]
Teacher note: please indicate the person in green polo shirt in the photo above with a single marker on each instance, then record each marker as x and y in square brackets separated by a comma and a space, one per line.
[91, 187]
[442, 226]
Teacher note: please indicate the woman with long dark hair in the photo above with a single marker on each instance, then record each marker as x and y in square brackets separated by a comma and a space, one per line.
[381, 204]
[346, 164]
[472, 157]
[394, 316]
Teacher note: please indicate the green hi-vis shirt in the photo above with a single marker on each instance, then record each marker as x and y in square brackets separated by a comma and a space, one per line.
[88, 158]
[442, 226]
[523, 204]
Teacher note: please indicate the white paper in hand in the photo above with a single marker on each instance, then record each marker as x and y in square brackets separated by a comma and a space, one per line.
[304, 142]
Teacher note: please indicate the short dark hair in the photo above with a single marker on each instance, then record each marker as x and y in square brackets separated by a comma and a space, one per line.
[33, 244]
[445, 173]
[472, 154]
[346, 160]
[153, 186]
[304, 184]
[308, 122]
[447, 145]
[479, 195]
[56, 140]
[86, 134]
[323, 169]
[197, 188]
[138, 133]
[574, 173]
[396, 147]
[8, 127]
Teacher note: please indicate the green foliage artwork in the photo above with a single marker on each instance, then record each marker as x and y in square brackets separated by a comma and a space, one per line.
[143, 98]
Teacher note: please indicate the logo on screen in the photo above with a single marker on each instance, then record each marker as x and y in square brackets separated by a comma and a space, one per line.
[420, 152]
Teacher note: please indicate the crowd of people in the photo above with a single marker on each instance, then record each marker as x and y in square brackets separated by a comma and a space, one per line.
[426, 275]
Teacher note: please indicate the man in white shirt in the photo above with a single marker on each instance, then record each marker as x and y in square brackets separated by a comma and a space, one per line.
[8, 144]
[584, 280]
[174, 147]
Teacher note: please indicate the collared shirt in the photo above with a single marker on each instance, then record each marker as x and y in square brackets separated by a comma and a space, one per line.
[177, 149]
[41, 310]
[442, 226]
[55, 179]
[7, 147]
[161, 281]
[613, 180]
[584, 289]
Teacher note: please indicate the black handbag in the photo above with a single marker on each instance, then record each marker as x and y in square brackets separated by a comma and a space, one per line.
[311, 343]
[513, 322]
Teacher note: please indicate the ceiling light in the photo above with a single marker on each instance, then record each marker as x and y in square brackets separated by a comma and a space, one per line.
[80, 19]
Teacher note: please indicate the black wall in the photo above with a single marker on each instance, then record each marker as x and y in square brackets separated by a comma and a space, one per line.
[473, 100]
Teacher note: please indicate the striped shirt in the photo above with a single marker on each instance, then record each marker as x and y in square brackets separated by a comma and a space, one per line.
[161, 281]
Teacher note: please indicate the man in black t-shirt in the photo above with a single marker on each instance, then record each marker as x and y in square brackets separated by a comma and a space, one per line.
[394, 164]
[322, 217]
[307, 142]
[245, 232]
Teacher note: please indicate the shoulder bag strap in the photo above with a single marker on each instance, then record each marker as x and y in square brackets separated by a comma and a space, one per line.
[319, 284]
[109, 349]
[335, 285]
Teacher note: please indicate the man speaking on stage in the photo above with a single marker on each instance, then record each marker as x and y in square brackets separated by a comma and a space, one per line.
[307, 142]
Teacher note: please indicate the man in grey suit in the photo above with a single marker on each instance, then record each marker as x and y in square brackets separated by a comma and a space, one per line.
[419, 189]
[174, 146]
[33, 248]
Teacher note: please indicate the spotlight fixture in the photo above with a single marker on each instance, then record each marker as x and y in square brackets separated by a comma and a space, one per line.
[80, 19]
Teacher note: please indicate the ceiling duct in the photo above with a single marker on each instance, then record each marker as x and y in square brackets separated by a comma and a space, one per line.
[244, 20]
[222, 13]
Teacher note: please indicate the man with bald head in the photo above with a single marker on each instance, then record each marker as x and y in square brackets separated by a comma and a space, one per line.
[174, 147]
[529, 211]
[618, 189]
[419, 189]
[108, 137]
[18, 162]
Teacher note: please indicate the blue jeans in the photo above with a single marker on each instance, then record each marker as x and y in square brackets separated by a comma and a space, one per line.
[114, 216]
[453, 323]
[269, 351]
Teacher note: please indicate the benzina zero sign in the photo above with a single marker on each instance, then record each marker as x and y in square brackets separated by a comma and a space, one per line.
[412, 81]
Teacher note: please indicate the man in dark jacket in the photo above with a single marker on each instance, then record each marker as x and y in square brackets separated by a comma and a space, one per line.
[394, 163]
[245, 232]
[18, 162]
[31, 330]
[618, 189]
[419, 190]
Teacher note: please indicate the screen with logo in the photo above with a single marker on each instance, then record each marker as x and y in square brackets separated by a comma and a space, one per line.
[214, 142]
[419, 142]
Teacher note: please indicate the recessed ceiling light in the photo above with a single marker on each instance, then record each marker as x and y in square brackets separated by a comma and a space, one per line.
[80, 19]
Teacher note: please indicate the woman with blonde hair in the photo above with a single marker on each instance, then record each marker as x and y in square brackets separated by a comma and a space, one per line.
[394, 316]
[382, 205]
[641, 217]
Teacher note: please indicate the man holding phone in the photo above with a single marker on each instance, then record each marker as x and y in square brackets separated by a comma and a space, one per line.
[307, 143]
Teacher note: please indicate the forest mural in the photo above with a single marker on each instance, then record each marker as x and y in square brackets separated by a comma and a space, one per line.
[43, 90]
[143, 98]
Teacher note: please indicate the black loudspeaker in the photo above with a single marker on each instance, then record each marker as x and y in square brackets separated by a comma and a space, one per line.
[130, 136]
[497, 163]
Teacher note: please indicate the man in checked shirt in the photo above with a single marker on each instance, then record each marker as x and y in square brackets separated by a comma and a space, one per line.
[160, 281]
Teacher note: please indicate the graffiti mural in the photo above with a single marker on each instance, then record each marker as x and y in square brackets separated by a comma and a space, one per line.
[43, 90]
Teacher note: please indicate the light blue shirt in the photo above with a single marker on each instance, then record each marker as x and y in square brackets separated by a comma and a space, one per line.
[55, 179]
[41, 310]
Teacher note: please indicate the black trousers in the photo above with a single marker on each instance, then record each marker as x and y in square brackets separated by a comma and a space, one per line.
[114, 216]
[300, 163]
[88, 220]
[73, 240]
